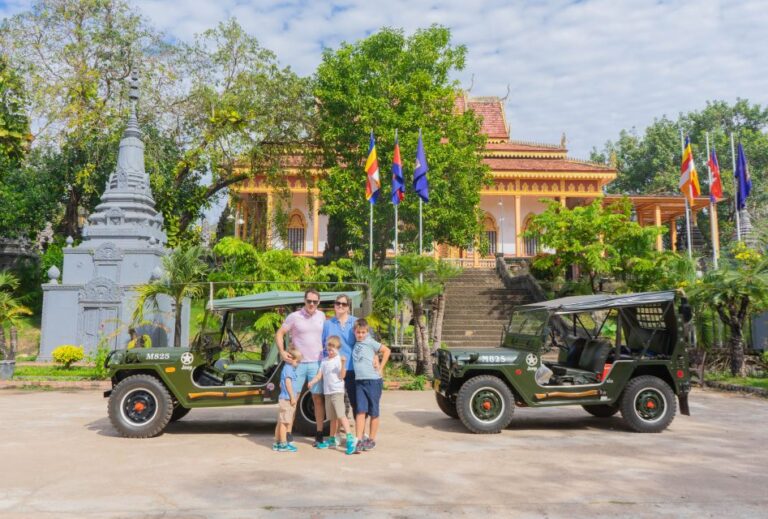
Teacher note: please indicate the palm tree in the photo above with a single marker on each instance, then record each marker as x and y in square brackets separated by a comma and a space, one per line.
[735, 290]
[443, 272]
[10, 311]
[419, 293]
[184, 269]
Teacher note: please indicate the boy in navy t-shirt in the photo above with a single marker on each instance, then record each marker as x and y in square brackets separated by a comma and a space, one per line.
[368, 382]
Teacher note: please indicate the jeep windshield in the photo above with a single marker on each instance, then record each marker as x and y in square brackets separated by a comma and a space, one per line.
[526, 329]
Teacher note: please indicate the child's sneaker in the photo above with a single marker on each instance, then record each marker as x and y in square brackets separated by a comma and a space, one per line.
[368, 444]
[320, 445]
[331, 442]
[276, 446]
[358, 447]
[350, 444]
[286, 447]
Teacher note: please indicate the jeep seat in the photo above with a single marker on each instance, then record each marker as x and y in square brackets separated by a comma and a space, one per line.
[591, 361]
[257, 367]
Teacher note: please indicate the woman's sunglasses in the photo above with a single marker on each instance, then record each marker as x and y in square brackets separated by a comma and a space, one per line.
[340, 303]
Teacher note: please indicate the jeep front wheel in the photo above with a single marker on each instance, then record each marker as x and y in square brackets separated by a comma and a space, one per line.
[485, 404]
[446, 405]
[601, 410]
[140, 407]
[648, 404]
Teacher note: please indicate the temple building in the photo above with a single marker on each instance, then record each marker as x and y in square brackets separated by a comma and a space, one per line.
[523, 173]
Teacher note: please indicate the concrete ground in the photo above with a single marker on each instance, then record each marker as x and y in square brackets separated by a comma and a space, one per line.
[60, 457]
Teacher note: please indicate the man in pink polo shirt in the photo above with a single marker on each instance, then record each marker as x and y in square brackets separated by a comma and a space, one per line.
[305, 328]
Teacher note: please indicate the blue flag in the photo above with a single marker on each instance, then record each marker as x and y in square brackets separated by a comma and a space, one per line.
[742, 179]
[420, 184]
[398, 184]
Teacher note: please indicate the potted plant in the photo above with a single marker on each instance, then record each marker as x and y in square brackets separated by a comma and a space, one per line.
[10, 310]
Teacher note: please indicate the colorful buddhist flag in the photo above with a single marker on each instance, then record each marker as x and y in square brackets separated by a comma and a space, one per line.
[372, 183]
[743, 181]
[689, 179]
[716, 187]
[420, 184]
[398, 183]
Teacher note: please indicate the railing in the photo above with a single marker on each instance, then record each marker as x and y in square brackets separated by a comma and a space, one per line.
[469, 263]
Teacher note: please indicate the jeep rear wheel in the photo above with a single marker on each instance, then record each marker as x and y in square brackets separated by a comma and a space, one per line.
[485, 404]
[304, 421]
[648, 404]
[140, 407]
[601, 410]
[447, 405]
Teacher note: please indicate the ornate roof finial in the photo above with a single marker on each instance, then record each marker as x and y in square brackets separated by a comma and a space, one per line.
[132, 130]
[563, 140]
[134, 88]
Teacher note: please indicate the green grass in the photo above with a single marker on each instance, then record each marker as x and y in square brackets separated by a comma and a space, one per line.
[55, 373]
[725, 378]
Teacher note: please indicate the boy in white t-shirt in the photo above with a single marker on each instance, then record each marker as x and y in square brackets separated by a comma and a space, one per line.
[332, 372]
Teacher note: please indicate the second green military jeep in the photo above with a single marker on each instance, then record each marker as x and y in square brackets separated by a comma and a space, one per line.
[606, 353]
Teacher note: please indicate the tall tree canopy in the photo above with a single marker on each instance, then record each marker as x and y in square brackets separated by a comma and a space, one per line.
[387, 82]
[14, 122]
[650, 163]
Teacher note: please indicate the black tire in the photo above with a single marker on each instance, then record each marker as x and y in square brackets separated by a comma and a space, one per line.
[304, 419]
[446, 405]
[179, 412]
[140, 407]
[648, 404]
[485, 404]
[601, 410]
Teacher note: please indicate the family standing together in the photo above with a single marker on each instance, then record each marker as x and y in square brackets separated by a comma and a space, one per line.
[335, 357]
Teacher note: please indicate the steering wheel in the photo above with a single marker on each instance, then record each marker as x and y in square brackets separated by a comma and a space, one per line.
[233, 343]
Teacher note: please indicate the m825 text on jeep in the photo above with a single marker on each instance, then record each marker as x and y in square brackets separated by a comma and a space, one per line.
[155, 386]
[606, 353]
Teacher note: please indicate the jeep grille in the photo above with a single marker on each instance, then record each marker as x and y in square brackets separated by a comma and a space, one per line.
[444, 366]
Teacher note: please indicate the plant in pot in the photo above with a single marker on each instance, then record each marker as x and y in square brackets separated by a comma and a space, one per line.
[10, 311]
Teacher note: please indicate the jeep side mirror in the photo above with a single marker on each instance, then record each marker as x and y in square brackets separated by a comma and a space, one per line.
[686, 311]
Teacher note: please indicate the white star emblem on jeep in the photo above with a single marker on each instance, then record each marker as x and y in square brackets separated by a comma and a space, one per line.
[187, 358]
[531, 359]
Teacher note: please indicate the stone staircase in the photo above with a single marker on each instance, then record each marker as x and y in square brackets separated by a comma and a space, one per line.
[478, 306]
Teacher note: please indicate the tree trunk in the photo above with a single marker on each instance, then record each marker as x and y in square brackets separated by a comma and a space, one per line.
[418, 338]
[433, 323]
[426, 354]
[5, 353]
[437, 337]
[177, 325]
[736, 346]
[14, 341]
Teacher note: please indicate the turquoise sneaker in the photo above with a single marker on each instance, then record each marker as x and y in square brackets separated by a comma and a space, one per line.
[320, 445]
[331, 442]
[350, 444]
[286, 447]
[276, 446]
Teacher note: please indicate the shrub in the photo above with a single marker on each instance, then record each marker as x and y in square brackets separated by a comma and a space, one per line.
[68, 354]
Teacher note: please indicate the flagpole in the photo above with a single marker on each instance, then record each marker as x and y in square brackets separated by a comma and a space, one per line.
[712, 227]
[687, 205]
[370, 238]
[397, 314]
[736, 192]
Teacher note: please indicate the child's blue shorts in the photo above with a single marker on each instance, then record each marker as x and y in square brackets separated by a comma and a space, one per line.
[368, 393]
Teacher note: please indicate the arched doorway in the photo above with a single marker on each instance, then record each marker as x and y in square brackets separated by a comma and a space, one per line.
[530, 245]
[491, 233]
[297, 232]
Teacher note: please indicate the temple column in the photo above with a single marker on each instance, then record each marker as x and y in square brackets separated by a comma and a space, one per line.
[270, 209]
[659, 243]
[476, 253]
[518, 227]
[673, 234]
[315, 223]
[563, 202]
[435, 252]
[238, 215]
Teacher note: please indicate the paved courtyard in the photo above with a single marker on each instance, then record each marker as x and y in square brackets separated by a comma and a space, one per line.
[60, 457]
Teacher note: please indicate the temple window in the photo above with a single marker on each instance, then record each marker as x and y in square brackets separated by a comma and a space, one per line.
[491, 231]
[531, 244]
[297, 231]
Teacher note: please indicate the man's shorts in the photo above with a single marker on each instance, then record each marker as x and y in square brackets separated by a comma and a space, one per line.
[334, 406]
[368, 396]
[286, 411]
[305, 372]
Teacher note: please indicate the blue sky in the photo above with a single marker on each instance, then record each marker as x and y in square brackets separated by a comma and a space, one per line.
[587, 68]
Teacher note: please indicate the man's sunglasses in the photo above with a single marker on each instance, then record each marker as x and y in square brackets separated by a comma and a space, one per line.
[340, 303]
[312, 301]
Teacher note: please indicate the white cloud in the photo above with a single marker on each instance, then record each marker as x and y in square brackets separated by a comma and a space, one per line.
[589, 68]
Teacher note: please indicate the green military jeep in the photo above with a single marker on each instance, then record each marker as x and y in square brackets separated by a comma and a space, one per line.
[606, 353]
[155, 386]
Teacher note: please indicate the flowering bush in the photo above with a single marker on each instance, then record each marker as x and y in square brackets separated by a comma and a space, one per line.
[68, 354]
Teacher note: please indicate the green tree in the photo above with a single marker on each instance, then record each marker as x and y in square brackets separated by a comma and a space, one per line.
[649, 162]
[183, 271]
[599, 240]
[14, 122]
[10, 311]
[389, 82]
[737, 289]
[443, 272]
